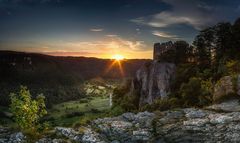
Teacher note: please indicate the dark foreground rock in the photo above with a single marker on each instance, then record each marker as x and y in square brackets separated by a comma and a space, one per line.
[178, 126]
[7, 137]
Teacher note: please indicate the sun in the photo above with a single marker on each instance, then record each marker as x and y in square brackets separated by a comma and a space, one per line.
[118, 57]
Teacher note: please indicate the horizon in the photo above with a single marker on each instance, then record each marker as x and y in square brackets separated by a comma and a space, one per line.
[105, 28]
[76, 56]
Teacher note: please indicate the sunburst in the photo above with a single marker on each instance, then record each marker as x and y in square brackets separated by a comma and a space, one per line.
[118, 57]
[117, 61]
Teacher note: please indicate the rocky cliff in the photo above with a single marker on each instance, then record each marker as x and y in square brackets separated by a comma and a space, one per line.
[153, 81]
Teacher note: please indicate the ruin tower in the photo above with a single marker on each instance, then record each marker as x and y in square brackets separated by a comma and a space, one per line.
[156, 51]
[159, 49]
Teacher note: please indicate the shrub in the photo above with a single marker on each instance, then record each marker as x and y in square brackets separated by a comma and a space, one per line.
[115, 111]
[126, 99]
[130, 102]
[27, 111]
[196, 92]
[233, 67]
[163, 104]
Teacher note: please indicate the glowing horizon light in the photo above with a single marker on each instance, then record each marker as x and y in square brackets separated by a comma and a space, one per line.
[118, 57]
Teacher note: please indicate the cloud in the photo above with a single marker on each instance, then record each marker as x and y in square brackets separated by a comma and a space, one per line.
[45, 47]
[112, 42]
[165, 35]
[66, 53]
[96, 29]
[104, 48]
[111, 35]
[194, 13]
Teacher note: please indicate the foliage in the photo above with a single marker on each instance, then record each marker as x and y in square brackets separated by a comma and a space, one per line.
[27, 111]
[162, 104]
[183, 73]
[196, 92]
[127, 99]
[233, 67]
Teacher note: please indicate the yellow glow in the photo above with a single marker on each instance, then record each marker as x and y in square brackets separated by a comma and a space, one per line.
[118, 57]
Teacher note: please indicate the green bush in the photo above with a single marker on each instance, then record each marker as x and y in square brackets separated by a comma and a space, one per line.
[115, 111]
[196, 92]
[126, 99]
[27, 111]
[163, 104]
[233, 67]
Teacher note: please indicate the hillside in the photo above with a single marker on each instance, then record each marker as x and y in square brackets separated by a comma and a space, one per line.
[56, 76]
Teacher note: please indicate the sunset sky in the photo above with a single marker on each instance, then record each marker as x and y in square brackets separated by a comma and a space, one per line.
[103, 28]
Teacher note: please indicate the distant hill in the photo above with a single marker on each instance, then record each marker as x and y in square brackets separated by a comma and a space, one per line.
[57, 77]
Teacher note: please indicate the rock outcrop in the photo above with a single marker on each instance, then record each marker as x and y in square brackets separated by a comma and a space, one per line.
[7, 137]
[225, 86]
[153, 81]
[178, 126]
[187, 125]
[227, 106]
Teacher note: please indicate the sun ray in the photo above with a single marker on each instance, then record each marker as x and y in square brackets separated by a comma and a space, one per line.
[110, 66]
[120, 68]
[116, 62]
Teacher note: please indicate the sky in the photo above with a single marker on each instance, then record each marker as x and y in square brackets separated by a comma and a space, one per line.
[103, 28]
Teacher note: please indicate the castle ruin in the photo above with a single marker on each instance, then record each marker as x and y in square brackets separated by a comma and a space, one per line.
[160, 49]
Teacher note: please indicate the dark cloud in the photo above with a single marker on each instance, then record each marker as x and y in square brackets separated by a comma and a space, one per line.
[195, 13]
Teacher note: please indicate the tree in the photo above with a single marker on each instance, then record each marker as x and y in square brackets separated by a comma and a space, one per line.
[236, 35]
[27, 111]
[223, 41]
[202, 51]
[182, 52]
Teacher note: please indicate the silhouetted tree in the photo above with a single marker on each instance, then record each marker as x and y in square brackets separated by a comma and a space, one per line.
[203, 53]
[182, 51]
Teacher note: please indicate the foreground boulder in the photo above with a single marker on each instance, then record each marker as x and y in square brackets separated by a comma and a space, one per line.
[6, 136]
[226, 86]
[226, 106]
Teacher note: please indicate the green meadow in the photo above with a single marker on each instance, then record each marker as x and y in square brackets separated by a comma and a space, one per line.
[73, 113]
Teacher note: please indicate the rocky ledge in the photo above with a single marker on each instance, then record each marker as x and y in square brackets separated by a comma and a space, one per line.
[181, 125]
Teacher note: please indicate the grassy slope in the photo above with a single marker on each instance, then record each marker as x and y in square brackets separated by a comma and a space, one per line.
[86, 111]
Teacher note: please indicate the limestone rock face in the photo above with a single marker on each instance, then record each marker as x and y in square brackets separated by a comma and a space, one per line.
[227, 85]
[176, 126]
[153, 81]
